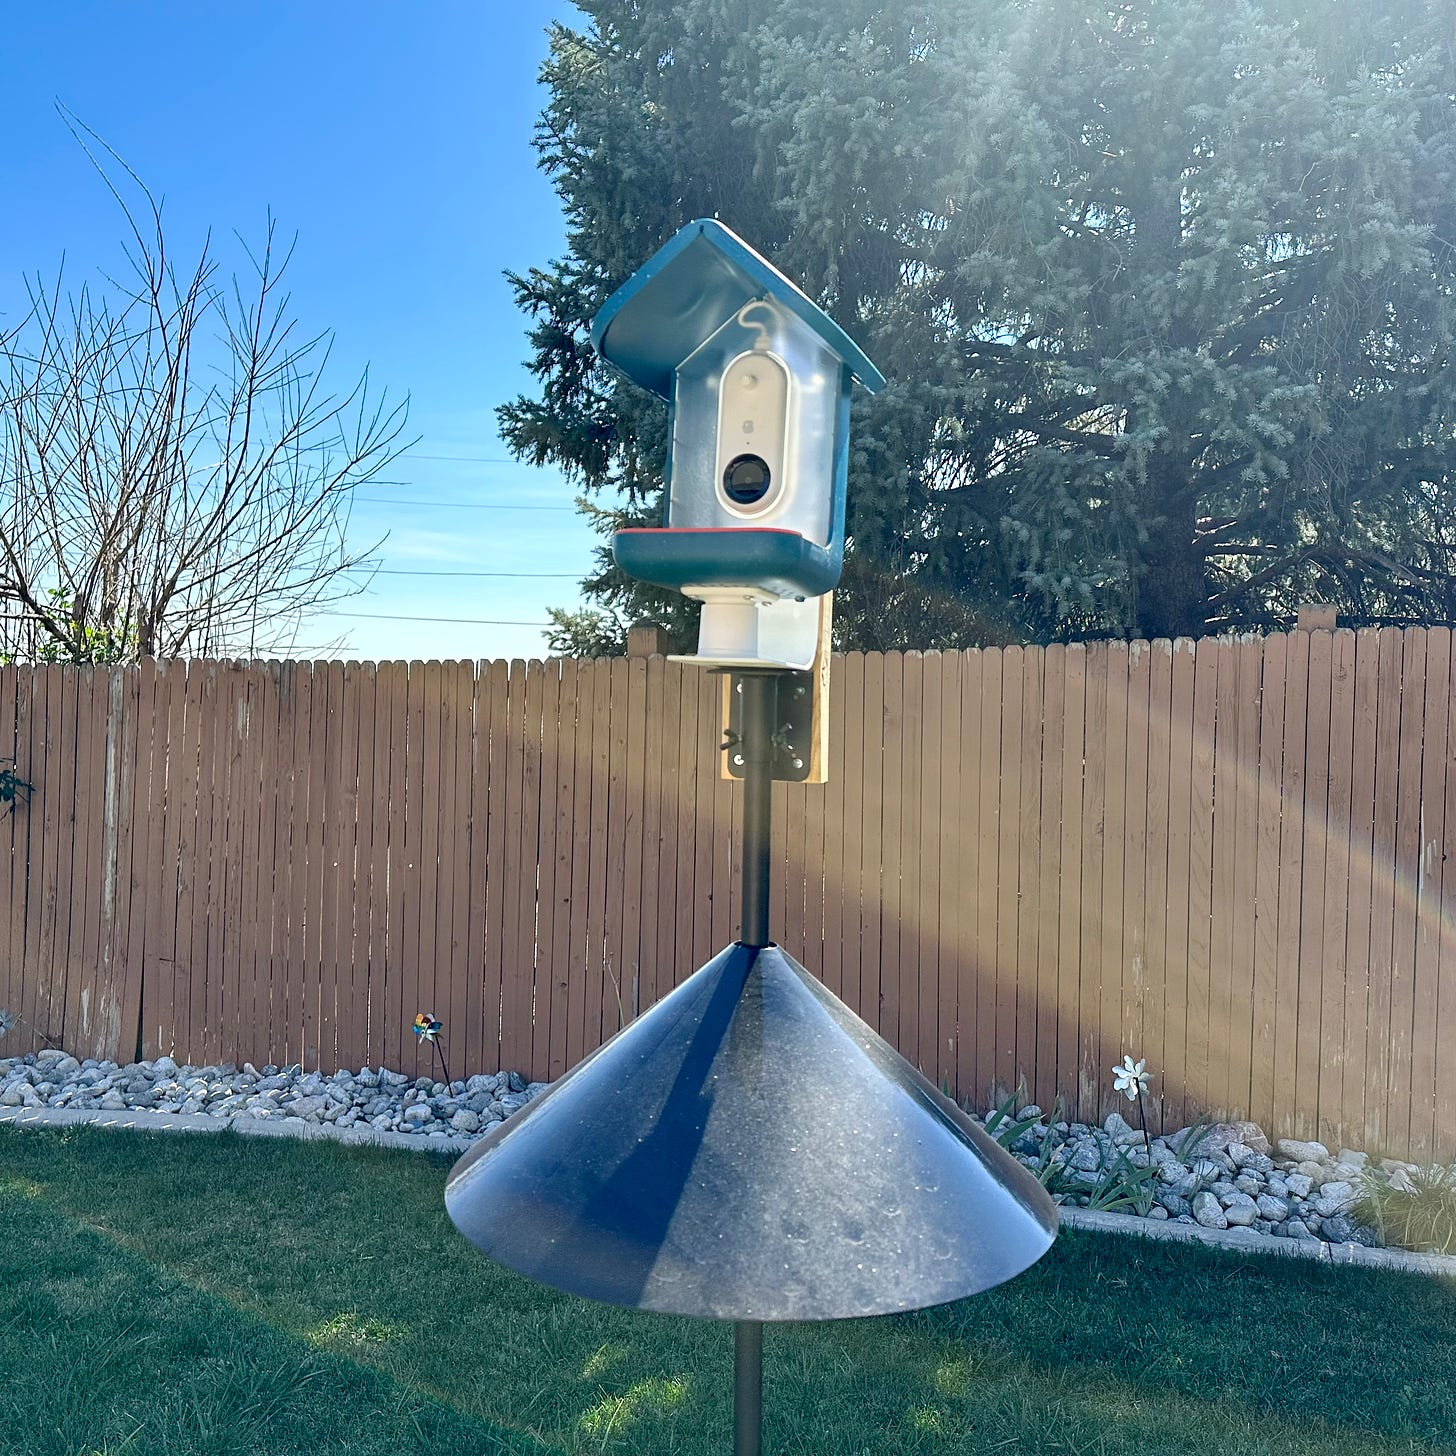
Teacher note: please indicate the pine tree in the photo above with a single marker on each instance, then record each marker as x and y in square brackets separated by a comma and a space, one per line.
[1163, 292]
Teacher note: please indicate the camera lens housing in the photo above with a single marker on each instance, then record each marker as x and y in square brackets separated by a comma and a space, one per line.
[746, 479]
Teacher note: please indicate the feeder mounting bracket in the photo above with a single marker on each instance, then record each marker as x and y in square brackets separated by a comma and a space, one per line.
[794, 733]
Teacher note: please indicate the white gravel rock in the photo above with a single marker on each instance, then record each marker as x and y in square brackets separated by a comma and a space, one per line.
[1240, 1211]
[1296, 1151]
[1335, 1198]
[1207, 1211]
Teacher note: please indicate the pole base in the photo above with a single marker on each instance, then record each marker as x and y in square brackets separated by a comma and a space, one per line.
[747, 1388]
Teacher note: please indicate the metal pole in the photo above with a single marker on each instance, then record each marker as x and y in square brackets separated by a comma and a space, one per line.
[760, 711]
[748, 1388]
[760, 715]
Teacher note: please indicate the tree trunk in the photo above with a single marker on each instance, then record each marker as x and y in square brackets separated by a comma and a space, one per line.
[1171, 592]
[1172, 595]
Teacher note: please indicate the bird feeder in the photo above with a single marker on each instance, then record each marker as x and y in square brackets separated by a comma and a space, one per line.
[748, 1149]
[758, 381]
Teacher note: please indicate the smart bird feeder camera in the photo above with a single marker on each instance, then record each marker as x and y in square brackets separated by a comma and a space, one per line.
[748, 1149]
[758, 380]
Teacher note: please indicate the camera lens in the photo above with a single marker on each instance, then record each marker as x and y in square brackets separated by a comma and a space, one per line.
[746, 480]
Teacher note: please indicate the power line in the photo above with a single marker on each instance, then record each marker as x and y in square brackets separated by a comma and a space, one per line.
[457, 621]
[462, 459]
[459, 505]
[533, 575]
[408, 485]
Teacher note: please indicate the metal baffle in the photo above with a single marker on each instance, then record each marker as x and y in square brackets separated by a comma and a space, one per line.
[749, 1150]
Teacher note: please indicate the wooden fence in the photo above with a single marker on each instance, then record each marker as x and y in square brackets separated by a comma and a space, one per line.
[1228, 858]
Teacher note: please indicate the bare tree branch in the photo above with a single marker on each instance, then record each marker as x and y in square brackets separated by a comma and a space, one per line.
[176, 472]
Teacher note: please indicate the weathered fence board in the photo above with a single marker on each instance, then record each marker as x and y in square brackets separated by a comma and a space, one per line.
[1228, 857]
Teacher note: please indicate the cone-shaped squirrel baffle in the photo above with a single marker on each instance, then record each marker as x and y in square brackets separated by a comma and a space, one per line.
[750, 1150]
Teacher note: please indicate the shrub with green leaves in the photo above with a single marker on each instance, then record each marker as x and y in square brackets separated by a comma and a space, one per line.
[1120, 1183]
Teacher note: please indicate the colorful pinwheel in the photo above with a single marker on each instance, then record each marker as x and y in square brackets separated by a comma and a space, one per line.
[427, 1028]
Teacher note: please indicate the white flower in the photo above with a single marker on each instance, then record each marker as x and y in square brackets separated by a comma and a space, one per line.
[1131, 1079]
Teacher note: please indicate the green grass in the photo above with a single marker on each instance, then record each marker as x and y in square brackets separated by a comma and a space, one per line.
[200, 1295]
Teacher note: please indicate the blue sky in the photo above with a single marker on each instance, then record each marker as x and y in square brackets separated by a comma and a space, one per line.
[396, 141]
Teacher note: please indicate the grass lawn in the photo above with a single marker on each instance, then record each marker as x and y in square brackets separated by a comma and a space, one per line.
[217, 1294]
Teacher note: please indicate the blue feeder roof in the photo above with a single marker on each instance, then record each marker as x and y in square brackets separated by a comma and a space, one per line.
[686, 291]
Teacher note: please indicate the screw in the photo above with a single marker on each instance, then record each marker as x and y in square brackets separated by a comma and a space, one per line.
[737, 760]
[798, 763]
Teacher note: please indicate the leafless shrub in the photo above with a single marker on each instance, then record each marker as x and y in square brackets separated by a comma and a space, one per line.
[175, 474]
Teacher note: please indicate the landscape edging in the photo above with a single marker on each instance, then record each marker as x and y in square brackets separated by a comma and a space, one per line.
[1246, 1240]
[141, 1119]
[1239, 1240]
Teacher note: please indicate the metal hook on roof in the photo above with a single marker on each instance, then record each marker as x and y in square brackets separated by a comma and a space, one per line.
[764, 331]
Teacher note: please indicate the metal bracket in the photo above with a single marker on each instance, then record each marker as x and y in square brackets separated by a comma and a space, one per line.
[793, 736]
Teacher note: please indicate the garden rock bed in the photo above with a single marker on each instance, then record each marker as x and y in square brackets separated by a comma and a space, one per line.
[1220, 1177]
[383, 1100]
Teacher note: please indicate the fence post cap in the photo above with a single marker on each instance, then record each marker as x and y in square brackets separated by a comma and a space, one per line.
[648, 639]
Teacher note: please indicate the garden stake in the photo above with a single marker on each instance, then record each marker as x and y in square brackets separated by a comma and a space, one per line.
[427, 1028]
[1130, 1078]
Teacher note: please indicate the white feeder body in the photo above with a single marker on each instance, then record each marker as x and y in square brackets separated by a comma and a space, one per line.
[764, 387]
